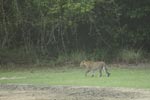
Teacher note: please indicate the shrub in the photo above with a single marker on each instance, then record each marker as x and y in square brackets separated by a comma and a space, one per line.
[16, 56]
[130, 56]
[71, 58]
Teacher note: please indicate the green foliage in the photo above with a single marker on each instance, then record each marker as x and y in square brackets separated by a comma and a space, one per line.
[71, 58]
[101, 55]
[17, 56]
[130, 56]
[135, 16]
[50, 27]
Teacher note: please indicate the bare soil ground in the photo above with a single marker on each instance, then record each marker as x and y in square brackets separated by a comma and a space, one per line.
[30, 92]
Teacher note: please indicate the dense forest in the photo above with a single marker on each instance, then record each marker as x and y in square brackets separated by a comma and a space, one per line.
[34, 31]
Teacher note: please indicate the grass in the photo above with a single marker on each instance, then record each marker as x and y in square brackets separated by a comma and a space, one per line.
[131, 55]
[120, 77]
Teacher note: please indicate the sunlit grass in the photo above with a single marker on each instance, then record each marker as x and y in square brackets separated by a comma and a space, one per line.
[132, 78]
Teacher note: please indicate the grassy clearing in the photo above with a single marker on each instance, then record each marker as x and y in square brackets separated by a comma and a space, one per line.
[132, 78]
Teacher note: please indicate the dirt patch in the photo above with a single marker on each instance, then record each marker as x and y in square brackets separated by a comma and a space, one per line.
[30, 92]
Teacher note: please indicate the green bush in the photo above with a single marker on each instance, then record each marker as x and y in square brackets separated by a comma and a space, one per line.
[102, 54]
[130, 56]
[71, 58]
[77, 56]
[16, 56]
